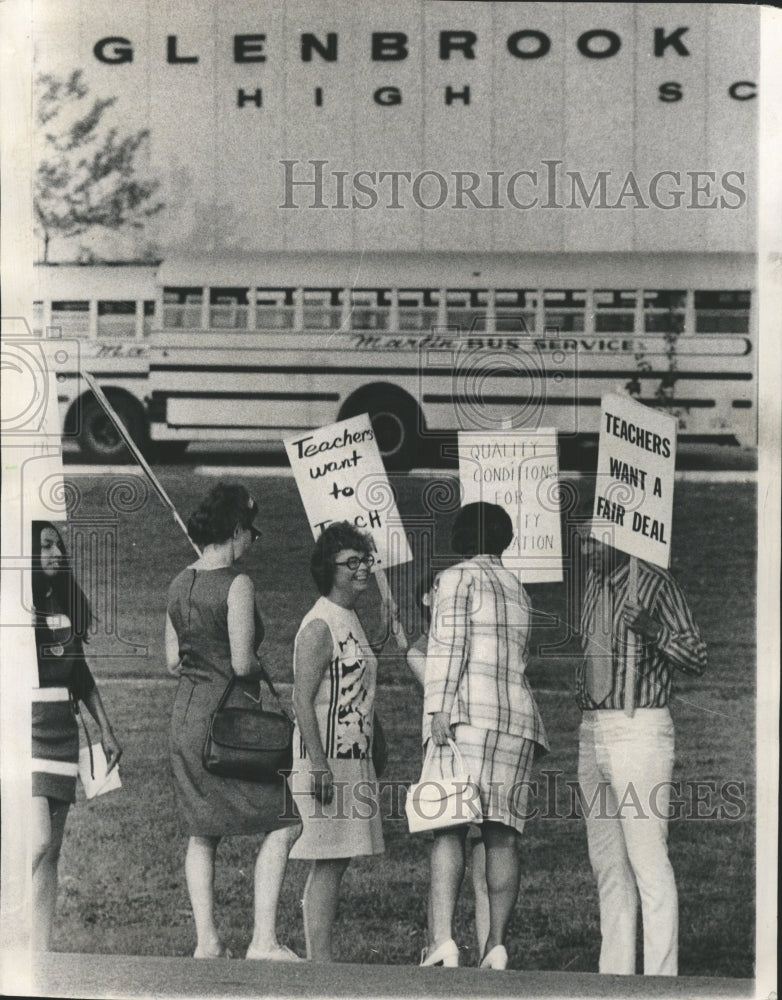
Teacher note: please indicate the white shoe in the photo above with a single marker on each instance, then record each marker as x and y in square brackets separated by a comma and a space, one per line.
[446, 954]
[280, 953]
[497, 958]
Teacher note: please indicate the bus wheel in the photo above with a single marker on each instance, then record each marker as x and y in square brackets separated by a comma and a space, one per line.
[395, 421]
[168, 451]
[99, 439]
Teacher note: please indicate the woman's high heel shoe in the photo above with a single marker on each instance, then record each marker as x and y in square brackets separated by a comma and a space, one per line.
[446, 954]
[497, 958]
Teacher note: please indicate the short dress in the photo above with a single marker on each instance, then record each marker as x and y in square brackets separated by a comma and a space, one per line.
[344, 706]
[497, 725]
[208, 805]
[64, 680]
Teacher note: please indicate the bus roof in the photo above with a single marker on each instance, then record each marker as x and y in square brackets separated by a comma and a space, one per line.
[459, 269]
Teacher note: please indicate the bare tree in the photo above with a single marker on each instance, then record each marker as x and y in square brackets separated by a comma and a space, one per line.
[86, 176]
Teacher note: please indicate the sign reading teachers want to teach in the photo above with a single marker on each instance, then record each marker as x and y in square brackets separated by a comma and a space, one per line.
[635, 476]
[518, 471]
[341, 477]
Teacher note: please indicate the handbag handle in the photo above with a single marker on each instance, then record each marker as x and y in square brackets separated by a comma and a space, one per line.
[234, 680]
[430, 754]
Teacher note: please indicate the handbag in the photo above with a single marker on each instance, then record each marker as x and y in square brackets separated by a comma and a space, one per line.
[251, 744]
[438, 803]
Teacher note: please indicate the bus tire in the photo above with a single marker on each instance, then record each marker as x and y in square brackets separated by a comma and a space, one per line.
[98, 438]
[395, 419]
[168, 451]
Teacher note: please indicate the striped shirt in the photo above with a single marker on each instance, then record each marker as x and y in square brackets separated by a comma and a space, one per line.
[476, 654]
[679, 645]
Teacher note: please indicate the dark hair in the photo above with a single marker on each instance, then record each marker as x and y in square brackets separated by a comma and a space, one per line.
[481, 529]
[335, 538]
[68, 595]
[219, 512]
[424, 585]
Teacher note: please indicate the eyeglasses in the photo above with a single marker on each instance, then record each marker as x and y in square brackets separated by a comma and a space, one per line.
[355, 561]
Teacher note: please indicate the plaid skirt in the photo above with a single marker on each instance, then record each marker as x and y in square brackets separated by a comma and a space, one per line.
[501, 766]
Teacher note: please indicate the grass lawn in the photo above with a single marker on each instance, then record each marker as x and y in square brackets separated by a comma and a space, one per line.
[122, 879]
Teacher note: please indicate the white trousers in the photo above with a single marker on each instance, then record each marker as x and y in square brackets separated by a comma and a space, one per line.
[624, 770]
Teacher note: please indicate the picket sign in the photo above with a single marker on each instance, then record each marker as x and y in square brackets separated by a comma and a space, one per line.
[518, 470]
[341, 477]
[634, 495]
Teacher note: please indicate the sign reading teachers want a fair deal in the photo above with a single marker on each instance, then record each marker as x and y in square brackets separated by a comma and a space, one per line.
[341, 477]
[635, 475]
[519, 471]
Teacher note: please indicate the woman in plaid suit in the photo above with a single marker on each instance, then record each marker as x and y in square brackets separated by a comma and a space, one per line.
[476, 692]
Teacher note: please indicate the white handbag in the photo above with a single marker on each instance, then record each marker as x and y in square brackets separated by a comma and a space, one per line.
[435, 803]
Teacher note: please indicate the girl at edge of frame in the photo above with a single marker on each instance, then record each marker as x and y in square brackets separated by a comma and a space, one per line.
[62, 622]
[426, 590]
[213, 629]
[334, 680]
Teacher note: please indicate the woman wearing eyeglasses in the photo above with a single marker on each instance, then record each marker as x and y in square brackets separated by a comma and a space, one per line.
[333, 778]
[212, 631]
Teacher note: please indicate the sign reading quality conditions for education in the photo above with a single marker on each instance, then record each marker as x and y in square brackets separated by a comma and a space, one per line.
[518, 471]
[341, 477]
[635, 475]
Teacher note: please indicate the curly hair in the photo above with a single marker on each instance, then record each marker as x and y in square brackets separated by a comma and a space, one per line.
[67, 593]
[220, 511]
[481, 529]
[338, 536]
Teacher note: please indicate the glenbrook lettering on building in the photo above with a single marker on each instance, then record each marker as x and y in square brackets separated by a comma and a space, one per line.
[668, 45]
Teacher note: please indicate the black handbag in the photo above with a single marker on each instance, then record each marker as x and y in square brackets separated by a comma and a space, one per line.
[248, 743]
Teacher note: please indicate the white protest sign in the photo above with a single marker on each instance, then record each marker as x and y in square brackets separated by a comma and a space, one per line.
[635, 474]
[518, 471]
[341, 477]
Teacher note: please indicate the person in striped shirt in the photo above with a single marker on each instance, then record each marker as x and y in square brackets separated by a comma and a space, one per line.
[626, 746]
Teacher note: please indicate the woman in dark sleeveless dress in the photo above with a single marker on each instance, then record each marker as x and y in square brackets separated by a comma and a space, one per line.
[212, 632]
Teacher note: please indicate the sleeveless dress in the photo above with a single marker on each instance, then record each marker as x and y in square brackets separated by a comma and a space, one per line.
[211, 806]
[345, 707]
[64, 679]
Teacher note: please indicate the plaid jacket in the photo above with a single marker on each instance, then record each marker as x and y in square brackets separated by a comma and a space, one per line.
[476, 655]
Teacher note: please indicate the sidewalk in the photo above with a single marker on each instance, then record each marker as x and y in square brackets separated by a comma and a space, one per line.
[64, 975]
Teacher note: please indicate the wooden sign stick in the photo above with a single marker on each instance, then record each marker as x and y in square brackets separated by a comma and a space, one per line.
[113, 416]
[388, 600]
[632, 650]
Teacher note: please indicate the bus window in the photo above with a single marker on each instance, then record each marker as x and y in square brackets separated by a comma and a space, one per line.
[418, 308]
[38, 319]
[515, 310]
[322, 308]
[228, 308]
[563, 310]
[182, 308]
[117, 319]
[466, 308]
[274, 309]
[722, 312]
[149, 316]
[370, 308]
[71, 319]
[664, 311]
[614, 311]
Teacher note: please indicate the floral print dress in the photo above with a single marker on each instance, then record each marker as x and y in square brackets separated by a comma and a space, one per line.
[350, 824]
